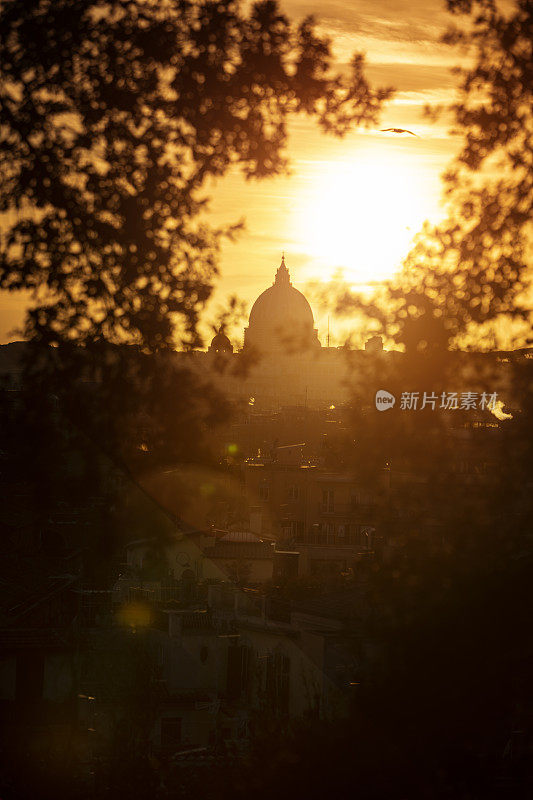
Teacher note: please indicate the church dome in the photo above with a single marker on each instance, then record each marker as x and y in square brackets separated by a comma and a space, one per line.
[220, 343]
[281, 317]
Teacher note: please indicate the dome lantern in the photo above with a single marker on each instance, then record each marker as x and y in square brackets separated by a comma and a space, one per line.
[282, 274]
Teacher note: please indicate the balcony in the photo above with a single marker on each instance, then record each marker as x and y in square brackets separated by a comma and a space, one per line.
[352, 510]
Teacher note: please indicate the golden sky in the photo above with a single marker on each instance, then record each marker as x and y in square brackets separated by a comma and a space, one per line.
[351, 203]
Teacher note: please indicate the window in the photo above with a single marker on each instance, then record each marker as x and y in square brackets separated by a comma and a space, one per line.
[294, 529]
[30, 678]
[293, 493]
[314, 533]
[365, 537]
[352, 534]
[264, 492]
[278, 670]
[328, 500]
[237, 671]
[170, 732]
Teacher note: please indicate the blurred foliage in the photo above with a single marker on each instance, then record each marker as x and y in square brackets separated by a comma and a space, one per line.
[467, 281]
[112, 125]
[434, 714]
[445, 709]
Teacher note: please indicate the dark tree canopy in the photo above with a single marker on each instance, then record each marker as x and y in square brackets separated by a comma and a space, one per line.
[114, 115]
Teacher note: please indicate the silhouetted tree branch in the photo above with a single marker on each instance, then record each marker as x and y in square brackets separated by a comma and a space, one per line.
[469, 278]
[114, 116]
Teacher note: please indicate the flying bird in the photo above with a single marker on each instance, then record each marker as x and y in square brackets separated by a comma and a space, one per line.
[397, 130]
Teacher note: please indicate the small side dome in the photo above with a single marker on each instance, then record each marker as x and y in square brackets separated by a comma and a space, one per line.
[220, 343]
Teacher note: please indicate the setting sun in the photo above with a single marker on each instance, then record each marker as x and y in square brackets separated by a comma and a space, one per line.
[360, 216]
